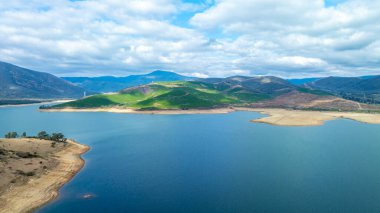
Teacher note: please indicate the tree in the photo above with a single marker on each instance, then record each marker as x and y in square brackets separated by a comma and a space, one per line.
[23, 135]
[11, 135]
[14, 135]
[43, 135]
[59, 137]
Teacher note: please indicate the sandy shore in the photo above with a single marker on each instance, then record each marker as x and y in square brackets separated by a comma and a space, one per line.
[281, 117]
[37, 191]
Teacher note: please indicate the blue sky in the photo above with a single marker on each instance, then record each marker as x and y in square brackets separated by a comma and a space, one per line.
[329, 3]
[293, 38]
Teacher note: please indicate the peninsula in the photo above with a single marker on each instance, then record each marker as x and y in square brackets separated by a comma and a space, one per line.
[33, 170]
[285, 103]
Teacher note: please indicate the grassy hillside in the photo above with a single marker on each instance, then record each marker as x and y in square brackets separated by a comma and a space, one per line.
[169, 95]
[206, 93]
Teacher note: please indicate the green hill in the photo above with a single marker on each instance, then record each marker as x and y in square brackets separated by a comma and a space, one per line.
[170, 95]
[201, 94]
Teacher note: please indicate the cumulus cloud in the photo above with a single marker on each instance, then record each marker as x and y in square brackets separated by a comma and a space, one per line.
[301, 37]
[293, 38]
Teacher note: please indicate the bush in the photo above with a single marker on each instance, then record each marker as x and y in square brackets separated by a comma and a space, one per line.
[3, 152]
[31, 173]
[26, 155]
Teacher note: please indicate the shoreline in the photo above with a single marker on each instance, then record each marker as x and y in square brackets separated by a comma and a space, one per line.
[274, 116]
[133, 111]
[32, 104]
[37, 192]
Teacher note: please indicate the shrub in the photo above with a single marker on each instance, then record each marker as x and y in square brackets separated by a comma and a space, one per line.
[26, 155]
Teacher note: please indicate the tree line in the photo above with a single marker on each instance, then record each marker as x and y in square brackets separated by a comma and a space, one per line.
[56, 136]
[360, 97]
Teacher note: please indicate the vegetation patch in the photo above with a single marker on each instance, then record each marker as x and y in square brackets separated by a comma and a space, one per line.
[314, 91]
[188, 95]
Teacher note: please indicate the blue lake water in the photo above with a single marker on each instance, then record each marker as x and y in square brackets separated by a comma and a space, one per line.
[211, 163]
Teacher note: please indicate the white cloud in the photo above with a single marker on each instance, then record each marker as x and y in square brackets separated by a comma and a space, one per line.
[298, 61]
[196, 74]
[291, 38]
[300, 36]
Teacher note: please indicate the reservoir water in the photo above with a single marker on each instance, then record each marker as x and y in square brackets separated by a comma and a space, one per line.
[211, 163]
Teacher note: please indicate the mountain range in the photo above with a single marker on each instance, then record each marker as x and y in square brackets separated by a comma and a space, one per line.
[113, 84]
[17, 83]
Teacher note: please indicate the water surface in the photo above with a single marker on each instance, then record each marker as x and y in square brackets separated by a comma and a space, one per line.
[211, 163]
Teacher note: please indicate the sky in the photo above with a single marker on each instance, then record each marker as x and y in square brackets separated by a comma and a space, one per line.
[202, 38]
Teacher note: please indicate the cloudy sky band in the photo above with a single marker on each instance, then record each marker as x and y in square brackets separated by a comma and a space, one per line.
[294, 38]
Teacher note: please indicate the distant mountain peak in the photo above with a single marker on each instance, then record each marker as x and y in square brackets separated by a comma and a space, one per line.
[163, 73]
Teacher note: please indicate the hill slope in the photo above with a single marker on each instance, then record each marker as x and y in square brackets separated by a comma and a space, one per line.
[169, 95]
[114, 84]
[19, 83]
[365, 90]
[228, 92]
